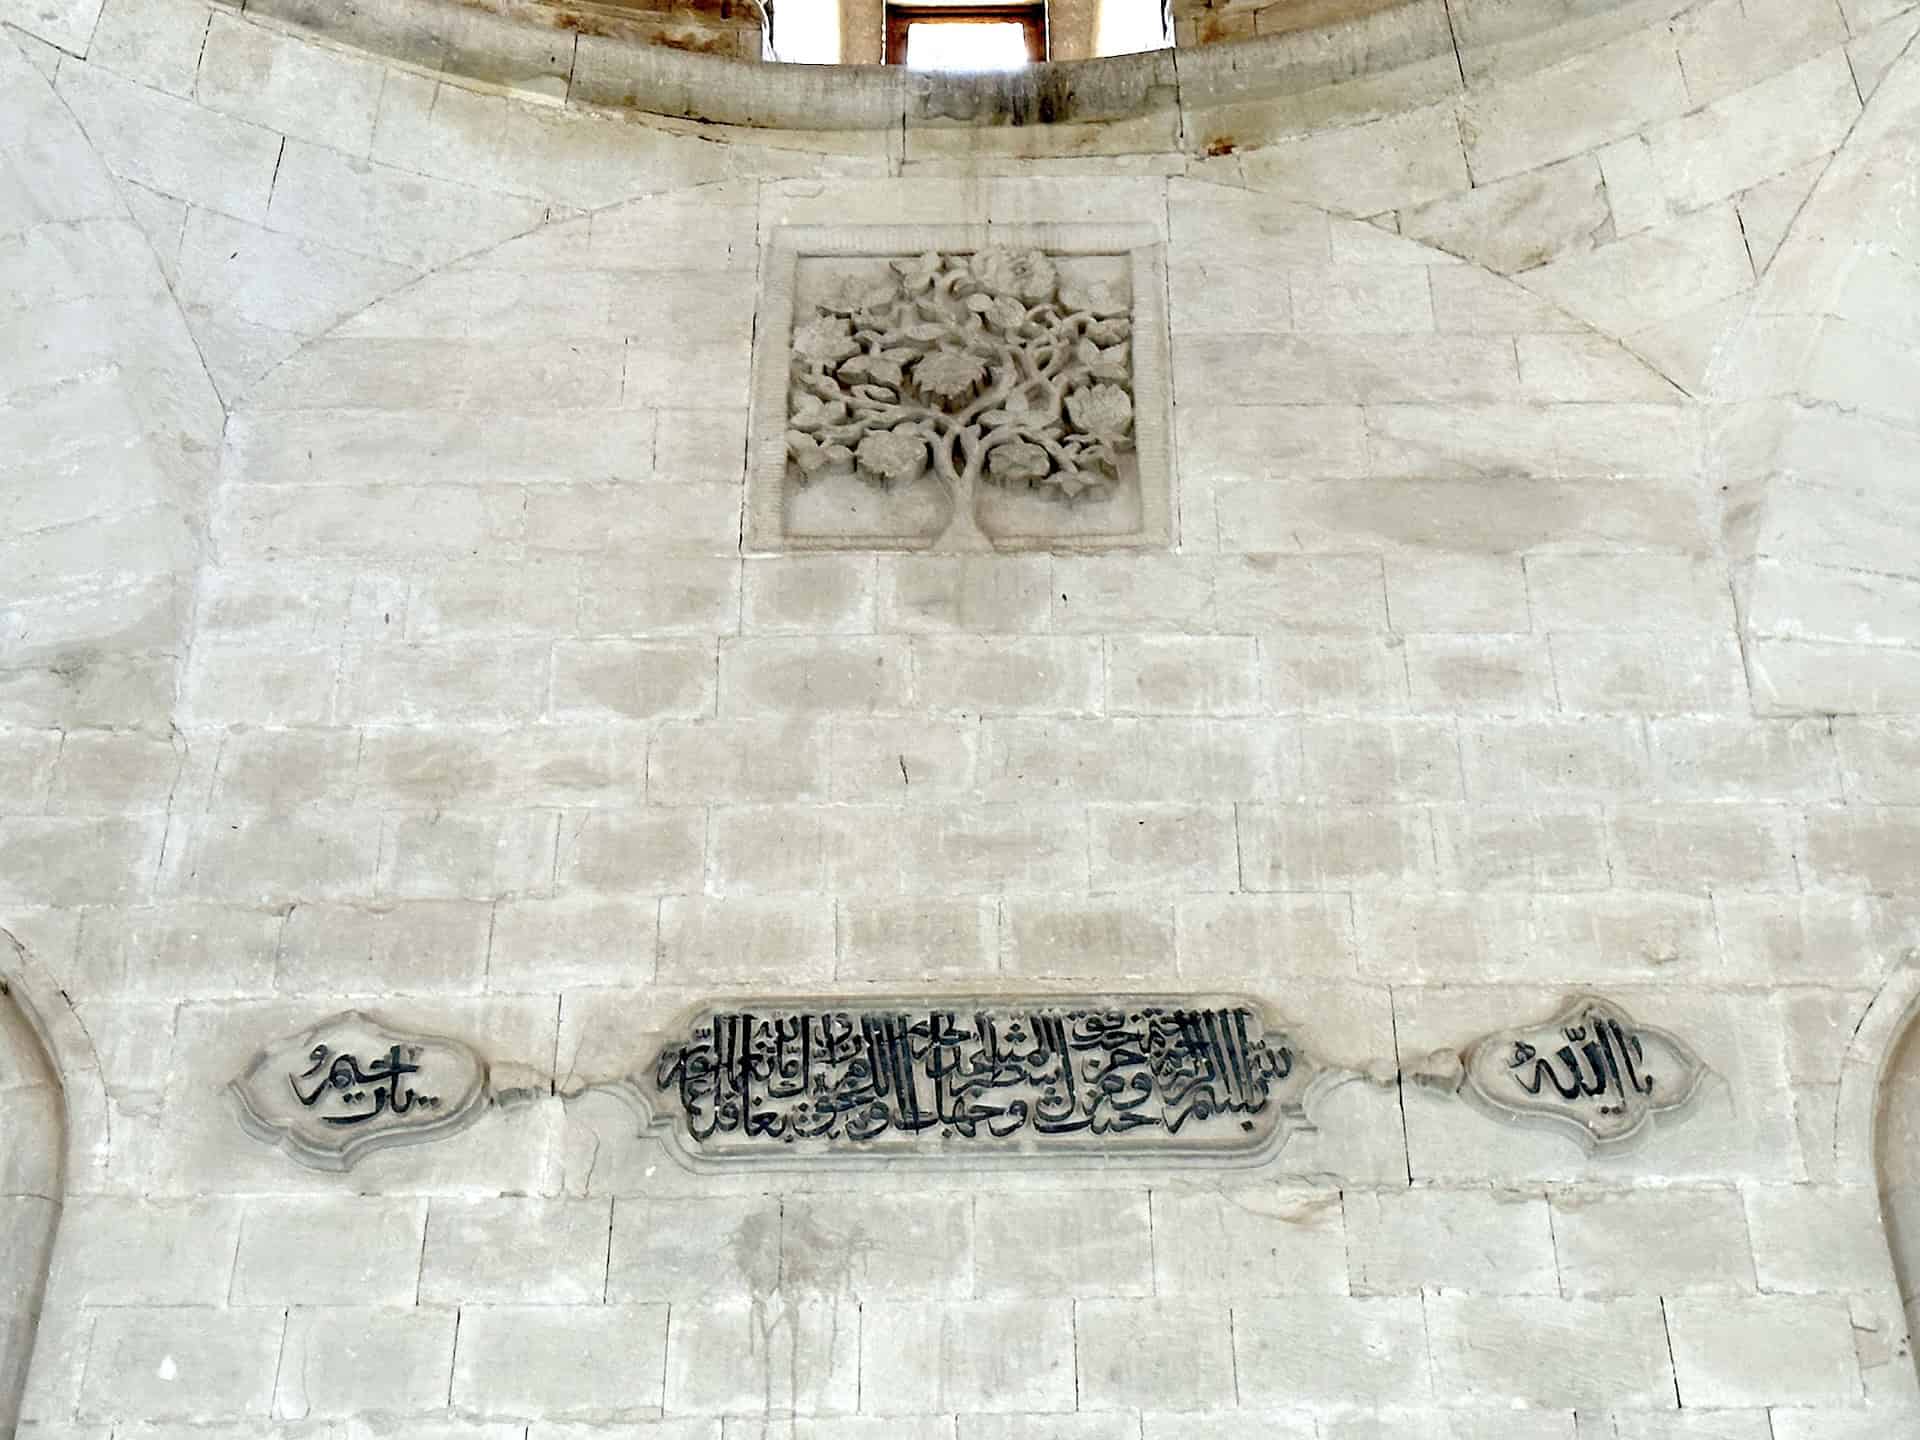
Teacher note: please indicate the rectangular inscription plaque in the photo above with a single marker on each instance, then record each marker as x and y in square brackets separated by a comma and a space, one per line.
[847, 1079]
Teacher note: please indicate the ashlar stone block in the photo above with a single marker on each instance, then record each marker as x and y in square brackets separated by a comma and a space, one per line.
[934, 388]
[1481, 1241]
[1078, 1242]
[329, 1250]
[342, 1362]
[1325, 1349]
[1764, 1350]
[515, 1250]
[560, 1361]
[768, 1357]
[1549, 1352]
[1176, 1354]
[145, 1364]
[991, 1356]
[1247, 1240]
[906, 1247]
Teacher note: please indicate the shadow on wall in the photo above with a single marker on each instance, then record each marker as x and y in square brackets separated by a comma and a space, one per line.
[31, 1150]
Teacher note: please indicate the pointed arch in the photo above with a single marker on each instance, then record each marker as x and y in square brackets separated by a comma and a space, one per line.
[54, 1143]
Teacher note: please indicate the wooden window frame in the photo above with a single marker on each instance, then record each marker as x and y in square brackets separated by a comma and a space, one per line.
[1029, 15]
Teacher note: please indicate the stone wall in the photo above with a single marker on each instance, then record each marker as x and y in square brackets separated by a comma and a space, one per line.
[1534, 625]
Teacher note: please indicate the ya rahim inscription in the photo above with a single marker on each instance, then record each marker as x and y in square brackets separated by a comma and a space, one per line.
[1592, 1072]
[836, 1081]
[350, 1085]
[961, 394]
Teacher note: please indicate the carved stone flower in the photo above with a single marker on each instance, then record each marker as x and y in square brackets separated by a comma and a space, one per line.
[878, 367]
[919, 273]
[1103, 364]
[1102, 298]
[810, 412]
[893, 457]
[825, 340]
[856, 293]
[811, 456]
[950, 377]
[1028, 274]
[1018, 460]
[1105, 411]
[1003, 312]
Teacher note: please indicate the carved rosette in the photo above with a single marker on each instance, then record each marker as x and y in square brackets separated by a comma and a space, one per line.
[977, 1080]
[350, 1085]
[965, 395]
[1592, 1072]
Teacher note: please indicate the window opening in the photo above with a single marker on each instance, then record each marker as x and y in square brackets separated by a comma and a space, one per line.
[966, 37]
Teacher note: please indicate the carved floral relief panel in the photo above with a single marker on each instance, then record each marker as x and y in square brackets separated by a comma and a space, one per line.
[953, 388]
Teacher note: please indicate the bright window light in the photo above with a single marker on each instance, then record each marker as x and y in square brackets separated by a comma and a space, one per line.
[987, 45]
[807, 32]
[1127, 26]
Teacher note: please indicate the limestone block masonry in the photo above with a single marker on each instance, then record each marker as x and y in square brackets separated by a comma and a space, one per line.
[411, 609]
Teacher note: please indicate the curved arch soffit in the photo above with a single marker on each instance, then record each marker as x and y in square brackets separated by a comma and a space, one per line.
[76, 1065]
[1890, 1018]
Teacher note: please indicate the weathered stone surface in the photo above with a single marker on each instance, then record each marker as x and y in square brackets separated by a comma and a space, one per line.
[961, 395]
[375, 632]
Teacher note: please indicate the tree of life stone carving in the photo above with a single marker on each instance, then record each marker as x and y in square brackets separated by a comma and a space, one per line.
[993, 367]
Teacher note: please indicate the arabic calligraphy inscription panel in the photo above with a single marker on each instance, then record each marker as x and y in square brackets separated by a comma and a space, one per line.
[1052, 1076]
[1592, 1072]
[350, 1085]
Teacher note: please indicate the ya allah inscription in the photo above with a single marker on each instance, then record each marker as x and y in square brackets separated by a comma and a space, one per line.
[939, 388]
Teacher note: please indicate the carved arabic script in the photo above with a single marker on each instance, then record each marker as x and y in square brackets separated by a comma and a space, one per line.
[1007, 1075]
[1591, 1070]
[350, 1085]
[347, 1087]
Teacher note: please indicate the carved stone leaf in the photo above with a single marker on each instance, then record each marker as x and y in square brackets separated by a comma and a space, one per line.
[882, 366]
[810, 413]
[950, 377]
[1018, 460]
[1025, 274]
[919, 273]
[812, 456]
[825, 340]
[1107, 364]
[1001, 311]
[856, 293]
[1105, 411]
[893, 457]
[1102, 299]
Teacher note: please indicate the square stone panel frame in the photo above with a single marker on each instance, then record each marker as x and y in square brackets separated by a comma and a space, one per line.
[780, 258]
